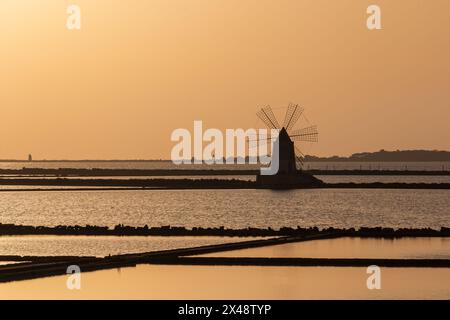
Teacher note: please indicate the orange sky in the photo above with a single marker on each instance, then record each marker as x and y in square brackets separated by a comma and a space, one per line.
[139, 69]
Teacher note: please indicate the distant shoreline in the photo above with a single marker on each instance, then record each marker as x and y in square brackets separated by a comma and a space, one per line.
[378, 156]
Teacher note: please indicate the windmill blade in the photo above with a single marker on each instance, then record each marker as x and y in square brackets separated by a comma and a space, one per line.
[293, 113]
[255, 142]
[299, 156]
[298, 152]
[299, 160]
[308, 134]
[266, 115]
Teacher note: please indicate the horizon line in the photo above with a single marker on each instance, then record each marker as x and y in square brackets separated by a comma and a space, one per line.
[168, 160]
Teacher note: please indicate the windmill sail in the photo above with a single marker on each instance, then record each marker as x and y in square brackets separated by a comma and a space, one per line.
[293, 113]
[299, 156]
[267, 116]
[308, 134]
[291, 135]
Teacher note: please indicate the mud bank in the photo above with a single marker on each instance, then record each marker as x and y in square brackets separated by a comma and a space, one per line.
[123, 230]
[182, 184]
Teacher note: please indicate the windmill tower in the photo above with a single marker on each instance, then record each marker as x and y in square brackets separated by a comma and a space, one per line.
[290, 157]
[287, 156]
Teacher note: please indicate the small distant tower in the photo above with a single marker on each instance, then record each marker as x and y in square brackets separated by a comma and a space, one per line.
[30, 157]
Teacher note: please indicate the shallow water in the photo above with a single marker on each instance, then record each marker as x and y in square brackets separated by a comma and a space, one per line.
[100, 246]
[230, 208]
[194, 177]
[384, 179]
[29, 187]
[218, 282]
[401, 248]
[4, 263]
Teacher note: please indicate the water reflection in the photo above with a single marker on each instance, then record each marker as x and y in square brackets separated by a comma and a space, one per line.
[100, 246]
[198, 282]
[406, 248]
[230, 208]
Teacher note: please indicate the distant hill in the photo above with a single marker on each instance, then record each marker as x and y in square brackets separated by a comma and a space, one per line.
[390, 156]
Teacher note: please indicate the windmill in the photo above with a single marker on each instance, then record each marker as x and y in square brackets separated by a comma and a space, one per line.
[291, 156]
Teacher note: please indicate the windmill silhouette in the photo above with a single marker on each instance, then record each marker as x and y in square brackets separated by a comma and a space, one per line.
[290, 156]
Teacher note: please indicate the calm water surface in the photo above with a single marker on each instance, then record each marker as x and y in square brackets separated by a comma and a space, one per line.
[219, 282]
[100, 246]
[230, 208]
[402, 248]
[29, 187]
[384, 179]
